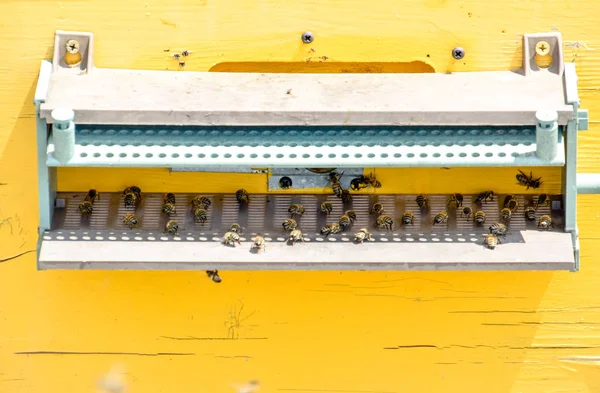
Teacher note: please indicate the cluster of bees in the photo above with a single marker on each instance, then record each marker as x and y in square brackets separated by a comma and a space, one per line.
[179, 56]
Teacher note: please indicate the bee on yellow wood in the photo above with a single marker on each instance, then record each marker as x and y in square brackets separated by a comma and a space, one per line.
[351, 214]
[491, 241]
[169, 208]
[479, 217]
[530, 213]
[326, 207]
[362, 235]
[92, 195]
[86, 208]
[237, 228]
[408, 218]
[169, 197]
[440, 218]
[296, 236]
[483, 197]
[171, 227]
[358, 183]
[466, 212]
[455, 199]
[296, 210]
[200, 215]
[289, 224]
[422, 201]
[330, 229]
[344, 222]
[498, 229]
[130, 220]
[506, 213]
[545, 222]
[258, 243]
[242, 196]
[231, 238]
[131, 199]
[377, 209]
[542, 200]
[528, 181]
[372, 180]
[214, 275]
[201, 201]
[385, 222]
[346, 197]
[135, 190]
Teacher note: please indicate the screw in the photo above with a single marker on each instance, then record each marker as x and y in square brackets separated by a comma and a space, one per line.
[307, 37]
[285, 182]
[458, 53]
[72, 46]
[542, 48]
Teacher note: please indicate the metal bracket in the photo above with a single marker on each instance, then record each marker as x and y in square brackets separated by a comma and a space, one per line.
[583, 120]
[303, 178]
[554, 49]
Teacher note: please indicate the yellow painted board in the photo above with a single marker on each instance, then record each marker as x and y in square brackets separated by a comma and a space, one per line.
[299, 332]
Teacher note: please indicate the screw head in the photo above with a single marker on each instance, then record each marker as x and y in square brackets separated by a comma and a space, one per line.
[307, 37]
[285, 182]
[458, 53]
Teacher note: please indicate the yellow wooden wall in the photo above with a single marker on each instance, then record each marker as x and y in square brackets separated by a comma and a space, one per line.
[356, 332]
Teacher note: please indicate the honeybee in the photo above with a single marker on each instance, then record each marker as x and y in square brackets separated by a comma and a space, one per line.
[237, 228]
[346, 197]
[86, 208]
[372, 180]
[498, 229]
[408, 218]
[330, 229]
[131, 199]
[242, 196]
[455, 199]
[513, 205]
[136, 191]
[484, 196]
[545, 222]
[507, 199]
[258, 243]
[336, 186]
[214, 275]
[466, 212]
[296, 210]
[385, 222]
[201, 201]
[377, 209]
[528, 181]
[326, 207]
[169, 208]
[351, 214]
[530, 213]
[491, 241]
[172, 227]
[344, 222]
[422, 201]
[289, 224]
[506, 213]
[479, 217]
[296, 236]
[200, 215]
[169, 197]
[130, 220]
[231, 238]
[542, 200]
[440, 218]
[358, 183]
[362, 235]
[92, 195]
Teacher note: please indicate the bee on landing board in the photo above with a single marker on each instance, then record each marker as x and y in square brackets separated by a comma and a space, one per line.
[479, 217]
[483, 197]
[131, 199]
[542, 200]
[377, 209]
[242, 196]
[498, 229]
[169, 197]
[372, 180]
[466, 212]
[200, 215]
[130, 220]
[385, 222]
[336, 186]
[237, 228]
[351, 214]
[408, 218]
[201, 202]
[440, 218]
[358, 183]
[545, 222]
[326, 207]
[258, 243]
[455, 200]
[491, 241]
[346, 197]
[169, 208]
[330, 229]
[506, 214]
[422, 201]
[92, 195]
[172, 227]
[296, 210]
[530, 213]
[86, 208]
[231, 238]
[214, 275]
[296, 236]
[289, 224]
[362, 235]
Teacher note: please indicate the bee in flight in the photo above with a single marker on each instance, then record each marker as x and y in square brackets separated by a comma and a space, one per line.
[491, 241]
[479, 217]
[169, 197]
[258, 244]
[214, 275]
[528, 181]
[237, 228]
[408, 218]
[344, 222]
[231, 238]
[92, 195]
[545, 222]
[440, 218]
[377, 209]
[455, 199]
[86, 208]
[172, 227]
[200, 215]
[242, 196]
[130, 220]
[530, 213]
[351, 214]
[169, 208]
[483, 197]
[330, 229]
[466, 212]
[296, 236]
[542, 200]
[362, 235]
[506, 213]
[296, 210]
[385, 222]
[289, 224]
[498, 229]
[201, 202]
[326, 207]
[422, 201]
